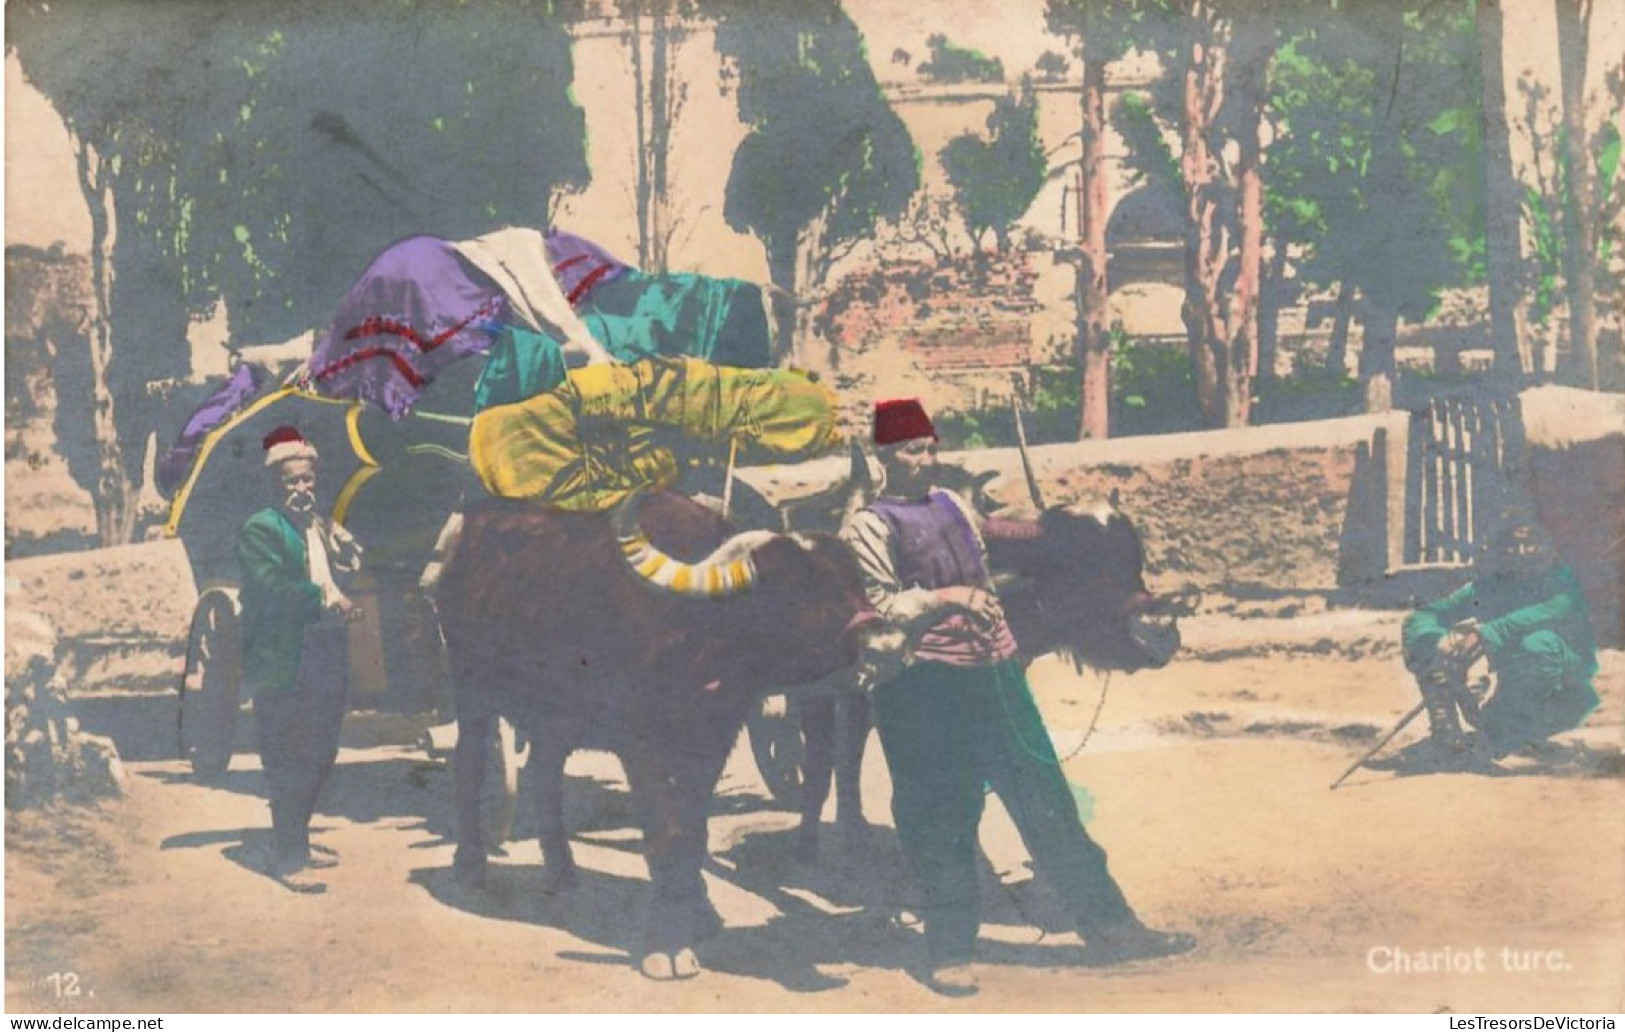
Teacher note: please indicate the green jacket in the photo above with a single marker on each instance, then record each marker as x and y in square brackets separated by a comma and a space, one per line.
[278, 600]
[1508, 611]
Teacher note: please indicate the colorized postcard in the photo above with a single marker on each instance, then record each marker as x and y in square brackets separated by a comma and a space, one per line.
[814, 506]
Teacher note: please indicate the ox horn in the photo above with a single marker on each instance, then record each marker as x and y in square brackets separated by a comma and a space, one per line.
[860, 483]
[1026, 457]
[727, 571]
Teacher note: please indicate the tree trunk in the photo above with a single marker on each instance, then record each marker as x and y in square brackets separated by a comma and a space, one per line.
[1248, 97]
[1579, 234]
[654, 106]
[643, 187]
[1273, 295]
[660, 115]
[1337, 353]
[1384, 294]
[1094, 337]
[1503, 203]
[114, 495]
[785, 310]
[1207, 243]
[1381, 323]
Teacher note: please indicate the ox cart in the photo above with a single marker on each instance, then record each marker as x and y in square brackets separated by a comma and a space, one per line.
[396, 348]
[392, 484]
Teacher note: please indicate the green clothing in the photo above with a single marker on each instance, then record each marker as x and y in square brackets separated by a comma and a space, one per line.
[522, 363]
[278, 600]
[947, 732]
[1537, 634]
[636, 316]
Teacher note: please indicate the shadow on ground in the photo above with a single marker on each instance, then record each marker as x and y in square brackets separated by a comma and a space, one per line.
[849, 907]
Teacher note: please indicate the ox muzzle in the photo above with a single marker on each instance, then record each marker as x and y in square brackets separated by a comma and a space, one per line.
[1153, 624]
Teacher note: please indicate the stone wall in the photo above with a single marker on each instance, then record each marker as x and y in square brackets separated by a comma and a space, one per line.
[1299, 508]
[121, 613]
[1576, 480]
[1264, 510]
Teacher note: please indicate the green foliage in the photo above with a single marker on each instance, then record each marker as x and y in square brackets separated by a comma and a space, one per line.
[1546, 235]
[1150, 159]
[1153, 390]
[1051, 67]
[1105, 30]
[282, 146]
[1543, 206]
[825, 152]
[336, 157]
[1608, 161]
[995, 180]
[131, 152]
[1375, 171]
[951, 63]
[1311, 392]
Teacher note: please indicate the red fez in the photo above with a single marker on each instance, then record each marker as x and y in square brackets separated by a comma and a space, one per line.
[902, 420]
[286, 443]
[281, 435]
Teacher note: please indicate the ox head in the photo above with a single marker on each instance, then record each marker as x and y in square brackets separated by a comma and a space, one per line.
[789, 608]
[1084, 589]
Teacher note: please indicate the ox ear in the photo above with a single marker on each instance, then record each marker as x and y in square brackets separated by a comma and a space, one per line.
[981, 497]
[860, 482]
[860, 478]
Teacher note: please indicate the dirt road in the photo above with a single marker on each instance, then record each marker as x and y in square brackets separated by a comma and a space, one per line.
[1459, 892]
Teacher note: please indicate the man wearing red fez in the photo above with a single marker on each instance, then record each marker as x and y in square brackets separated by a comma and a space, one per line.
[960, 716]
[295, 648]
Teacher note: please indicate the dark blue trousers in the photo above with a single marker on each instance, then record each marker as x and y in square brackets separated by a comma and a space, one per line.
[299, 737]
[951, 732]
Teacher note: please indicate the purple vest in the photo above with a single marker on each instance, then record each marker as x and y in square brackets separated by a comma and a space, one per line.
[935, 547]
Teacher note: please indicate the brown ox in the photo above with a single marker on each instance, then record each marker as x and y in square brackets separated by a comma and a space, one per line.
[587, 634]
[1071, 582]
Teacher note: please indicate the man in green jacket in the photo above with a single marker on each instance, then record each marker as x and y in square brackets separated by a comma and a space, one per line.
[1526, 615]
[295, 647]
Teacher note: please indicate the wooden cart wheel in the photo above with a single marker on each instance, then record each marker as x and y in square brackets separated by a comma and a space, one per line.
[505, 758]
[210, 684]
[777, 743]
[503, 764]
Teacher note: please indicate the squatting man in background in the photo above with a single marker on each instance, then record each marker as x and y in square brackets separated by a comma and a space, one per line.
[295, 648]
[1525, 614]
[960, 716]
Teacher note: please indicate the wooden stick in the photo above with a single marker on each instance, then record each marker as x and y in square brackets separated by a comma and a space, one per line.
[1403, 721]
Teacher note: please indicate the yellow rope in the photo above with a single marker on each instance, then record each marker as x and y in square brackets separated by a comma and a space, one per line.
[352, 424]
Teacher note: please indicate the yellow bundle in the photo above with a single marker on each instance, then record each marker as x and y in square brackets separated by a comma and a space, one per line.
[588, 443]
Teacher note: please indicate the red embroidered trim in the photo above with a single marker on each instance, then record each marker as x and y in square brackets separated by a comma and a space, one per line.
[402, 366]
[379, 326]
[588, 282]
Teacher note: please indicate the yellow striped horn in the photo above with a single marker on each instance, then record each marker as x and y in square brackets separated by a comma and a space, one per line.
[728, 571]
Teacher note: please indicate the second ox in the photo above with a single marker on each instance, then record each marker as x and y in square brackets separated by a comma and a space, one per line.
[649, 633]
[1072, 582]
